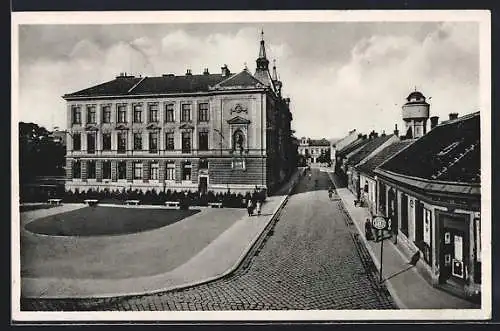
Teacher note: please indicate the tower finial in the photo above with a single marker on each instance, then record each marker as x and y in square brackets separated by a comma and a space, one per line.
[262, 34]
[275, 74]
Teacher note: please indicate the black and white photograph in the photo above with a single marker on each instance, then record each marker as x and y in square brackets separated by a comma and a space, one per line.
[260, 165]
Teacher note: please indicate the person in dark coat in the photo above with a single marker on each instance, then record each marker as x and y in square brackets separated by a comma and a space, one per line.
[368, 230]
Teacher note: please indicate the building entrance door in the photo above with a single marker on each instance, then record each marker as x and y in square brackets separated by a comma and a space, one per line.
[453, 255]
[203, 184]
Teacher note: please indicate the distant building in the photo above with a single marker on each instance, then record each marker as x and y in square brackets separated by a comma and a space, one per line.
[313, 148]
[191, 132]
[341, 143]
[356, 158]
[431, 190]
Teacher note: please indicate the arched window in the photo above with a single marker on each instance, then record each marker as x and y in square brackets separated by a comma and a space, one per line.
[238, 140]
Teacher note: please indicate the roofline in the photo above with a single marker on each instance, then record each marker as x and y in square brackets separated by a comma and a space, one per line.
[132, 96]
[429, 181]
[459, 119]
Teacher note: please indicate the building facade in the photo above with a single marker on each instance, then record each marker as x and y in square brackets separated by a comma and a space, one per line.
[312, 149]
[431, 191]
[340, 144]
[191, 132]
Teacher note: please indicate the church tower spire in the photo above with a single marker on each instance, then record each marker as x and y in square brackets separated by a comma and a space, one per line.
[262, 61]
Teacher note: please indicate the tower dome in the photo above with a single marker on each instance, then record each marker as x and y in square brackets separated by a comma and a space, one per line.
[415, 115]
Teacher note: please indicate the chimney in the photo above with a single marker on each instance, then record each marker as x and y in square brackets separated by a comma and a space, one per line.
[205, 72]
[453, 116]
[383, 133]
[434, 121]
[225, 70]
[188, 72]
[396, 131]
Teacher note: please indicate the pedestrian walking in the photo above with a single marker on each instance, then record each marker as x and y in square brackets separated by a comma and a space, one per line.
[368, 230]
[257, 207]
[250, 207]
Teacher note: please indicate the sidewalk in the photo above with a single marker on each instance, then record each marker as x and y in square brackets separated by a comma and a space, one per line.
[409, 289]
[219, 258]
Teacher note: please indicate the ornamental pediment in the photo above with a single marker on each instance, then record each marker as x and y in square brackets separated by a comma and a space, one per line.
[91, 127]
[153, 126]
[238, 120]
[186, 126]
[121, 126]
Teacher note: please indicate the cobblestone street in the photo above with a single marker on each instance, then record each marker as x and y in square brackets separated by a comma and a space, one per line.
[310, 259]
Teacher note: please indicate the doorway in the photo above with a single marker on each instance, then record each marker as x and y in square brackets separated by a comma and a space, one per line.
[203, 184]
[454, 250]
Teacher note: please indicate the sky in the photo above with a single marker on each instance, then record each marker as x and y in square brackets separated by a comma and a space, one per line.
[339, 75]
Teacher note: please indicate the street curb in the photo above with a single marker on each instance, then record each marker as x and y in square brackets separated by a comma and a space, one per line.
[375, 260]
[236, 265]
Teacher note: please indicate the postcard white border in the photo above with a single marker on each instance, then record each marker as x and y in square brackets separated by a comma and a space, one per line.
[482, 17]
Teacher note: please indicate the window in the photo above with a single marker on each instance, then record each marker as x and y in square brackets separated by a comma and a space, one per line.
[122, 170]
[169, 113]
[91, 114]
[77, 141]
[153, 142]
[91, 170]
[186, 171]
[137, 141]
[137, 170]
[203, 164]
[91, 142]
[203, 141]
[106, 170]
[170, 171]
[106, 141]
[76, 114]
[186, 113]
[106, 114]
[122, 113]
[153, 113]
[122, 142]
[138, 113]
[238, 164]
[170, 141]
[186, 142]
[203, 112]
[77, 169]
[154, 170]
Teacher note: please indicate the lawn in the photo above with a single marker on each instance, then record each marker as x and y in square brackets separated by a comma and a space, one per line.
[106, 221]
[25, 208]
[144, 253]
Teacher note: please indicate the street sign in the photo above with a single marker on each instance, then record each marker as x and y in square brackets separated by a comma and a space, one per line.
[379, 223]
